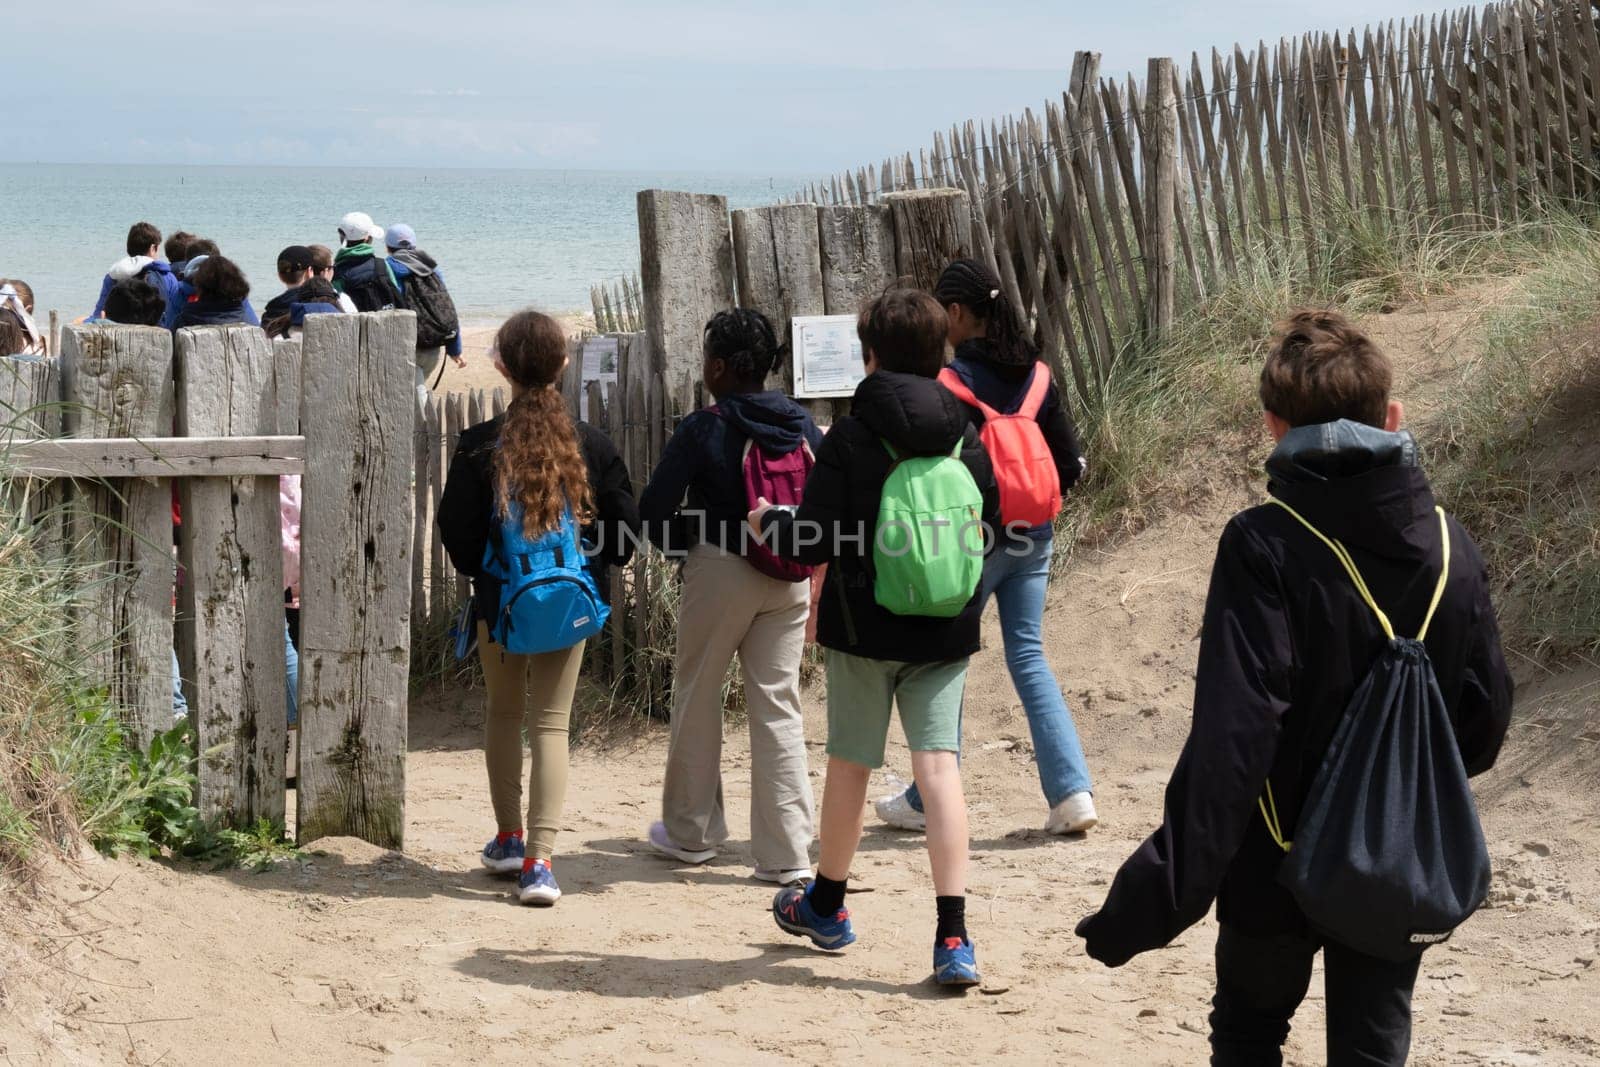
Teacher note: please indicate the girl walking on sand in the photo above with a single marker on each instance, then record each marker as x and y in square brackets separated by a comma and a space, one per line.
[521, 486]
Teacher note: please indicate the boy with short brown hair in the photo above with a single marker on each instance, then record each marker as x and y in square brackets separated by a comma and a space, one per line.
[1286, 641]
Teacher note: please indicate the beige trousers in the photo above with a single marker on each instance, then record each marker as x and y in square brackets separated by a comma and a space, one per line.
[728, 606]
[550, 679]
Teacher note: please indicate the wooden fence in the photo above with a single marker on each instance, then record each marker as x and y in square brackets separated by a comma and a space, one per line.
[1109, 211]
[129, 412]
[618, 305]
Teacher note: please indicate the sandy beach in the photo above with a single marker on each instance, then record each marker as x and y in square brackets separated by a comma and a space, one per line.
[476, 340]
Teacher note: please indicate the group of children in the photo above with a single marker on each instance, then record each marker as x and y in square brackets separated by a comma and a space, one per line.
[757, 501]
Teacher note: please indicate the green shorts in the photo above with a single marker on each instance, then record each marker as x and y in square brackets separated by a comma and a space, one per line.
[862, 692]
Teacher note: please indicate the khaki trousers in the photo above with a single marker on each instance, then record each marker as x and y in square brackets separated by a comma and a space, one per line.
[551, 679]
[728, 606]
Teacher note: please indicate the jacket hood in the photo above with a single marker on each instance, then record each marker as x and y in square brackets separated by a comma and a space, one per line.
[770, 419]
[129, 267]
[915, 414]
[212, 313]
[354, 252]
[313, 291]
[1359, 484]
[415, 260]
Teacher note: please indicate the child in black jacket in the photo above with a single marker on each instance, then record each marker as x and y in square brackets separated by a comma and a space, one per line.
[877, 659]
[1286, 640]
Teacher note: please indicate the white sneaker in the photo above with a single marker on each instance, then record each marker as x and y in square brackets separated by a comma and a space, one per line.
[663, 844]
[1073, 815]
[797, 876]
[897, 811]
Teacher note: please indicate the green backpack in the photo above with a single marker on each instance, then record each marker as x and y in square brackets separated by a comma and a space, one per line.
[928, 547]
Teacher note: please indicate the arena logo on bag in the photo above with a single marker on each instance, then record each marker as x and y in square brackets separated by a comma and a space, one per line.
[1421, 938]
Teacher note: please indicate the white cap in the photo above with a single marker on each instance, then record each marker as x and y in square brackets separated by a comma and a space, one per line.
[358, 226]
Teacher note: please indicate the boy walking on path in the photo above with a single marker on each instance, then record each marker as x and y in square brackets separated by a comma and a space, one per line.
[734, 600]
[1287, 641]
[878, 658]
[422, 289]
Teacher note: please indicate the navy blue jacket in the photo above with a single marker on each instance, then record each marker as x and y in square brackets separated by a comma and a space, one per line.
[697, 490]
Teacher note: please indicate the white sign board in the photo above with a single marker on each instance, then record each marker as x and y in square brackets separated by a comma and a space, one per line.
[827, 356]
[599, 365]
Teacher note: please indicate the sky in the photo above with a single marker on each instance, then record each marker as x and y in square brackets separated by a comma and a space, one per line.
[797, 88]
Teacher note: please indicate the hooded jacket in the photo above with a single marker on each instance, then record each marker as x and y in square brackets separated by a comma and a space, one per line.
[156, 271]
[359, 272]
[837, 520]
[1285, 642]
[1002, 386]
[467, 509]
[215, 313]
[696, 493]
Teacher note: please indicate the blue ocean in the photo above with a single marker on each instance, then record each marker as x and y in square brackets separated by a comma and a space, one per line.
[505, 238]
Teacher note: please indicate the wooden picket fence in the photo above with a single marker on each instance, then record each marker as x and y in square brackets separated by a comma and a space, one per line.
[618, 305]
[1110, 210]
[129, 412]
[638, 413]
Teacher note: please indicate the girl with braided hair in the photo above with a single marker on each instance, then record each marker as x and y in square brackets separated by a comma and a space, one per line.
[995, 365]
[537, 458]
[694, 508]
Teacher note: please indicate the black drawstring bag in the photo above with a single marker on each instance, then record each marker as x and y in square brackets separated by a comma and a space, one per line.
[1388, 856]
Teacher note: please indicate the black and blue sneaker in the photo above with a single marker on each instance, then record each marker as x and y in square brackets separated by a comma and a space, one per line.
[505, 852]
[792, 909]
[954, 963]
[538, 884]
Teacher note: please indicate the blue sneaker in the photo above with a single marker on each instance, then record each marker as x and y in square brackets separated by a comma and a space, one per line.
[504, 853]
[954, 963]
[792, 909]
[538, 885]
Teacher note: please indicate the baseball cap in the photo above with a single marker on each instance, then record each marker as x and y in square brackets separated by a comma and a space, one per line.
[358, 226]
[400, 236]
[295, 257]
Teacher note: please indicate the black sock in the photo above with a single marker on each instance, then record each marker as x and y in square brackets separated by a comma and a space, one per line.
[827, 896]
[952, 918]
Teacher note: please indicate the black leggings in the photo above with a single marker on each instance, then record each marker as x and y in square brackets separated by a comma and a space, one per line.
[1262, 980]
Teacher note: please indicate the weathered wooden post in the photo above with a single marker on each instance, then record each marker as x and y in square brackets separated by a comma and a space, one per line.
[931, 228]
[28, 389]
[857, 248]
[1160, 195]
[686, 259]
[232, 556]
[117, 382]
[779, 265]
[355, 617]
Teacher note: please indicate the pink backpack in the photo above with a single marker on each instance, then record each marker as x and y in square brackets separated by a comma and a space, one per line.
[781, 480]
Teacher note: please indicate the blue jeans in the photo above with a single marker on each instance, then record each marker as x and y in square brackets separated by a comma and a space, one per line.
[1017, 574]
[293, 679]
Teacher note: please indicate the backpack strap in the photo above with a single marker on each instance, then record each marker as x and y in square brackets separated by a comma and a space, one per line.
[1349, 565]
[1038, 389]
[952, 381]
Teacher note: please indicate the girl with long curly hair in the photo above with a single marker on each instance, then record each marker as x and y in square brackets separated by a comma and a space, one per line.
[535, 458]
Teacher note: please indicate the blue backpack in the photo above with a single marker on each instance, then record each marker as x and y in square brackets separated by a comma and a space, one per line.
[548, 600]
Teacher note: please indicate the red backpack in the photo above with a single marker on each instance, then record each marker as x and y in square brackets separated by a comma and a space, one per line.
[1030, 486]
[781, 480]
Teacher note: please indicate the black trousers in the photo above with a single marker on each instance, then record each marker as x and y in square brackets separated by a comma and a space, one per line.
[1262, 980]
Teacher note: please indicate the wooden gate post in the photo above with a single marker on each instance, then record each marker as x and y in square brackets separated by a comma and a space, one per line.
[686, 258]
[355, 574]
[779, 266]
[232, 554]
[1160, 195]
[857, 246]
[931, 228]
[117, 382]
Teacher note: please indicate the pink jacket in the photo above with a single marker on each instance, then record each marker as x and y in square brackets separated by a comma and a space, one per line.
[289, 526]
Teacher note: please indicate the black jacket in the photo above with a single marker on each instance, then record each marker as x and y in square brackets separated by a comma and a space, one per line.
[1001, 386]
[467, 510]
[838, 518]
[1285, 642]
[696, 492]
